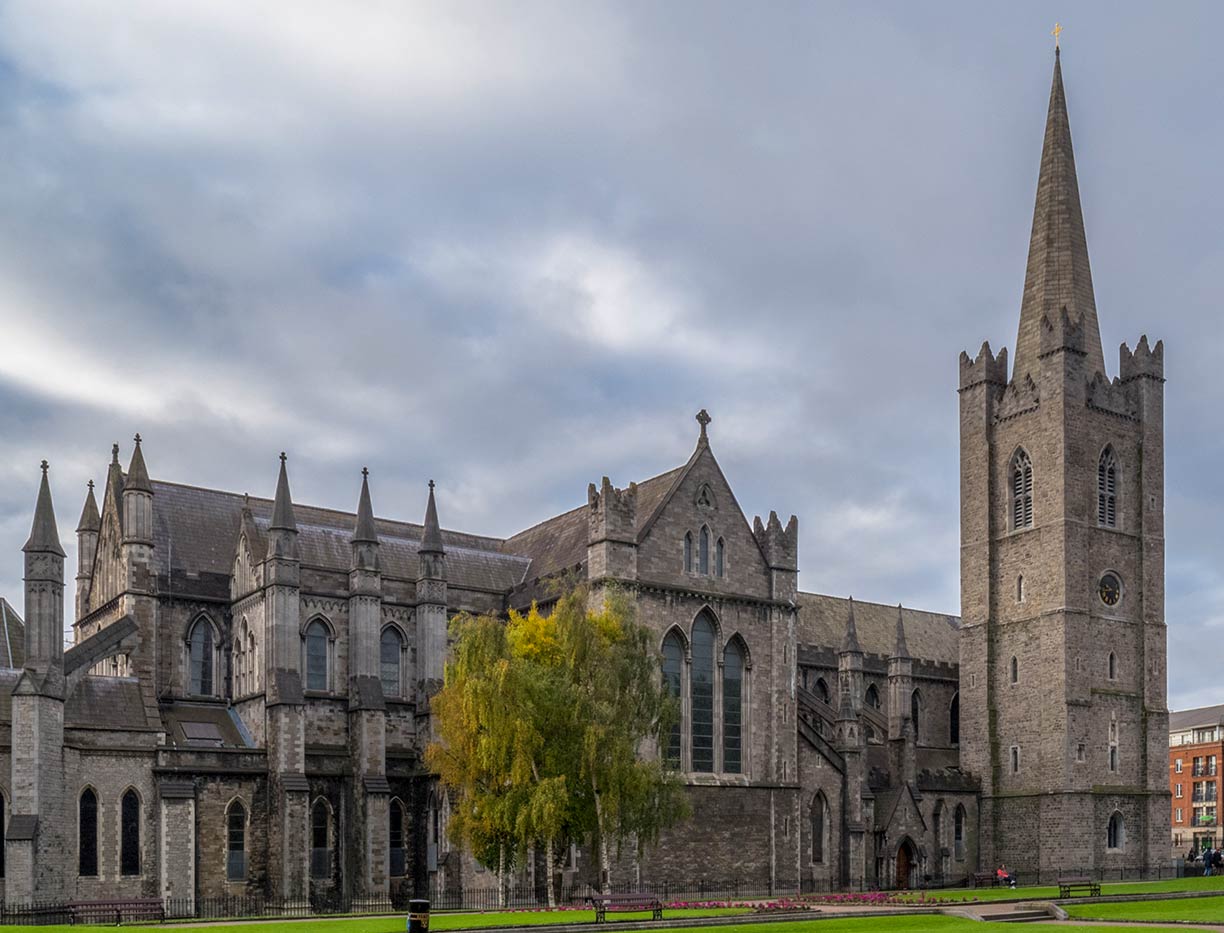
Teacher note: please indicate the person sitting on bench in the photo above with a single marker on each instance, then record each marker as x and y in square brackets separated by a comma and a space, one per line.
[1005, 877]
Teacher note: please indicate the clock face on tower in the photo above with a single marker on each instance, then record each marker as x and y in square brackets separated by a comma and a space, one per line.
[1110, 590]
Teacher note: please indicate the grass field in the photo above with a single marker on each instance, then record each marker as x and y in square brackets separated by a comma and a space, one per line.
[1047, 892]
[1198, 909]
[932, 923]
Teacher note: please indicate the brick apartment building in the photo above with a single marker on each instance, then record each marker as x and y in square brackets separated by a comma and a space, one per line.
[1196, 752]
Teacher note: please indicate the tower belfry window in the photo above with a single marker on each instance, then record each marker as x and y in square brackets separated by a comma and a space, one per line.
[1107, 490]
[1022, 490]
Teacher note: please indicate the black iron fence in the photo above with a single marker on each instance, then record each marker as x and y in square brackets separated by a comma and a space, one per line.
[327, 902]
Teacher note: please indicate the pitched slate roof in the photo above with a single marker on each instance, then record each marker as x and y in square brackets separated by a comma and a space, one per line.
[1190, 718]
[196, 529]
[12, 636]
[109, 703]
[560, 543]
[931, 636]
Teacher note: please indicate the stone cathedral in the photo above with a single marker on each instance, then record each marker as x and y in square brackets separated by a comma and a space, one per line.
[246, 699]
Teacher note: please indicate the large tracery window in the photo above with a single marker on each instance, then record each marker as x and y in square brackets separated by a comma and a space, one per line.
[733, 707]
[1022, 490]
[673, 661]
[390, 648]
[1107, 489]
[129, 842]
[202, 647]
[87, 834]
[702, 690]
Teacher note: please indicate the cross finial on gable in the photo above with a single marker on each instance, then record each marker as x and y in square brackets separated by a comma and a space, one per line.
[365, 472]
[45, 467]
[703, 419]
[90, 485]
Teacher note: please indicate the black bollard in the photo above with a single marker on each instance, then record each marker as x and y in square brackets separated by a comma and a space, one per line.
[418, 916]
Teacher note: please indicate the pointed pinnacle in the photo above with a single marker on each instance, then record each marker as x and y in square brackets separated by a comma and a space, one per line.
[851, 643]
[138, 475]
[366, 530]
[901, 650]
[282, 508]
[44, 535]
[90, 520]
[431, 537]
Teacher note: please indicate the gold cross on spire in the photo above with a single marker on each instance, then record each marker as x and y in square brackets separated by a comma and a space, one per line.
[1056, 32]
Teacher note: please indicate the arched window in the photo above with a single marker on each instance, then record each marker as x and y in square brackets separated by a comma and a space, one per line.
[702, 692]
[819, 827]
[733, 707]
[399, 861]
[673, 660]
[320, 840]
[1115, 832]
[238, 662]
[317, 637]
[1022, 490]
[1107, 489]
[202, 649]
[688, 552]
[1015, 671]
[87, 834]
[129, 834]
[873, 696]
[1113, 666]
[937, 826]
[719, 558]
[1020, 588]
[822, 689]
[954, 720]
[958, 832]
[390, 648]
[915, 710]
[703, 550]
[252, 663]
[235, 842]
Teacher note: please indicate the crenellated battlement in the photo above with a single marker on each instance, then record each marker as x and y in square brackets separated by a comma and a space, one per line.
[1112, 396]
[1143, 362]
[987, 368]
[780, 545]
[612, 512]
[1062, 332]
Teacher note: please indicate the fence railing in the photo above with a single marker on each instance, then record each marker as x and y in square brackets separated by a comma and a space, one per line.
[325, 901]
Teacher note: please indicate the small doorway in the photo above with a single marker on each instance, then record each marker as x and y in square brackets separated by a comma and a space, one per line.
[906, 861]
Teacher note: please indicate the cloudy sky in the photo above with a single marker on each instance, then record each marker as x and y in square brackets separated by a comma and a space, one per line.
[515, 247]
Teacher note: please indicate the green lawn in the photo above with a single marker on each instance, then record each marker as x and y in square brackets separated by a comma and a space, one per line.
[931, 923]
[1048, 892]
[1201, 909]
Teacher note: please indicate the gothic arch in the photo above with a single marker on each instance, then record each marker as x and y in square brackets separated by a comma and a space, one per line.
[87, 832]
[237, 828]
[1115, 831]
[712, 616]
[318, 655]
[819, 828]
[1109, 480]
[203, 653]
[1020, 490]
[821, 689]
[871, 697]
[916, 712]
[392, 658]
[322, 838]
[954, 719]
[131, 825]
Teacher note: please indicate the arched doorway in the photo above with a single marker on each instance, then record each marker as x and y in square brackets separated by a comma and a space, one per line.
[907, 862]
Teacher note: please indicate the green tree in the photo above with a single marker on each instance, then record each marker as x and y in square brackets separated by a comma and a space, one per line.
[547, 727]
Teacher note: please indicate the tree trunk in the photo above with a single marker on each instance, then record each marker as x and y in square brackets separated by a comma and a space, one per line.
[605, 883]
[548, 868]
[501, 876]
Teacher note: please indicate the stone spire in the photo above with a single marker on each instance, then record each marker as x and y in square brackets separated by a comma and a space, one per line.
[90, 519]
[365, 532]
[44, 535]
[137, 474]
[901, 650]
[282, 509]
[850, 642]
[431, 538]
[1058, 275]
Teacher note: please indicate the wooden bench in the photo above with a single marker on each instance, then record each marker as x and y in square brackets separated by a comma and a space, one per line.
[618, 902]
[1078, 883]
[985, 879]
[116, 911]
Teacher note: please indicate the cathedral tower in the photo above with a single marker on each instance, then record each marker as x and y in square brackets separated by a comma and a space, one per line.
[1062, 566]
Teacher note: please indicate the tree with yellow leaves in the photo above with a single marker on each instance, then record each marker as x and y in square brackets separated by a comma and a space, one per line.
[546, 729]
